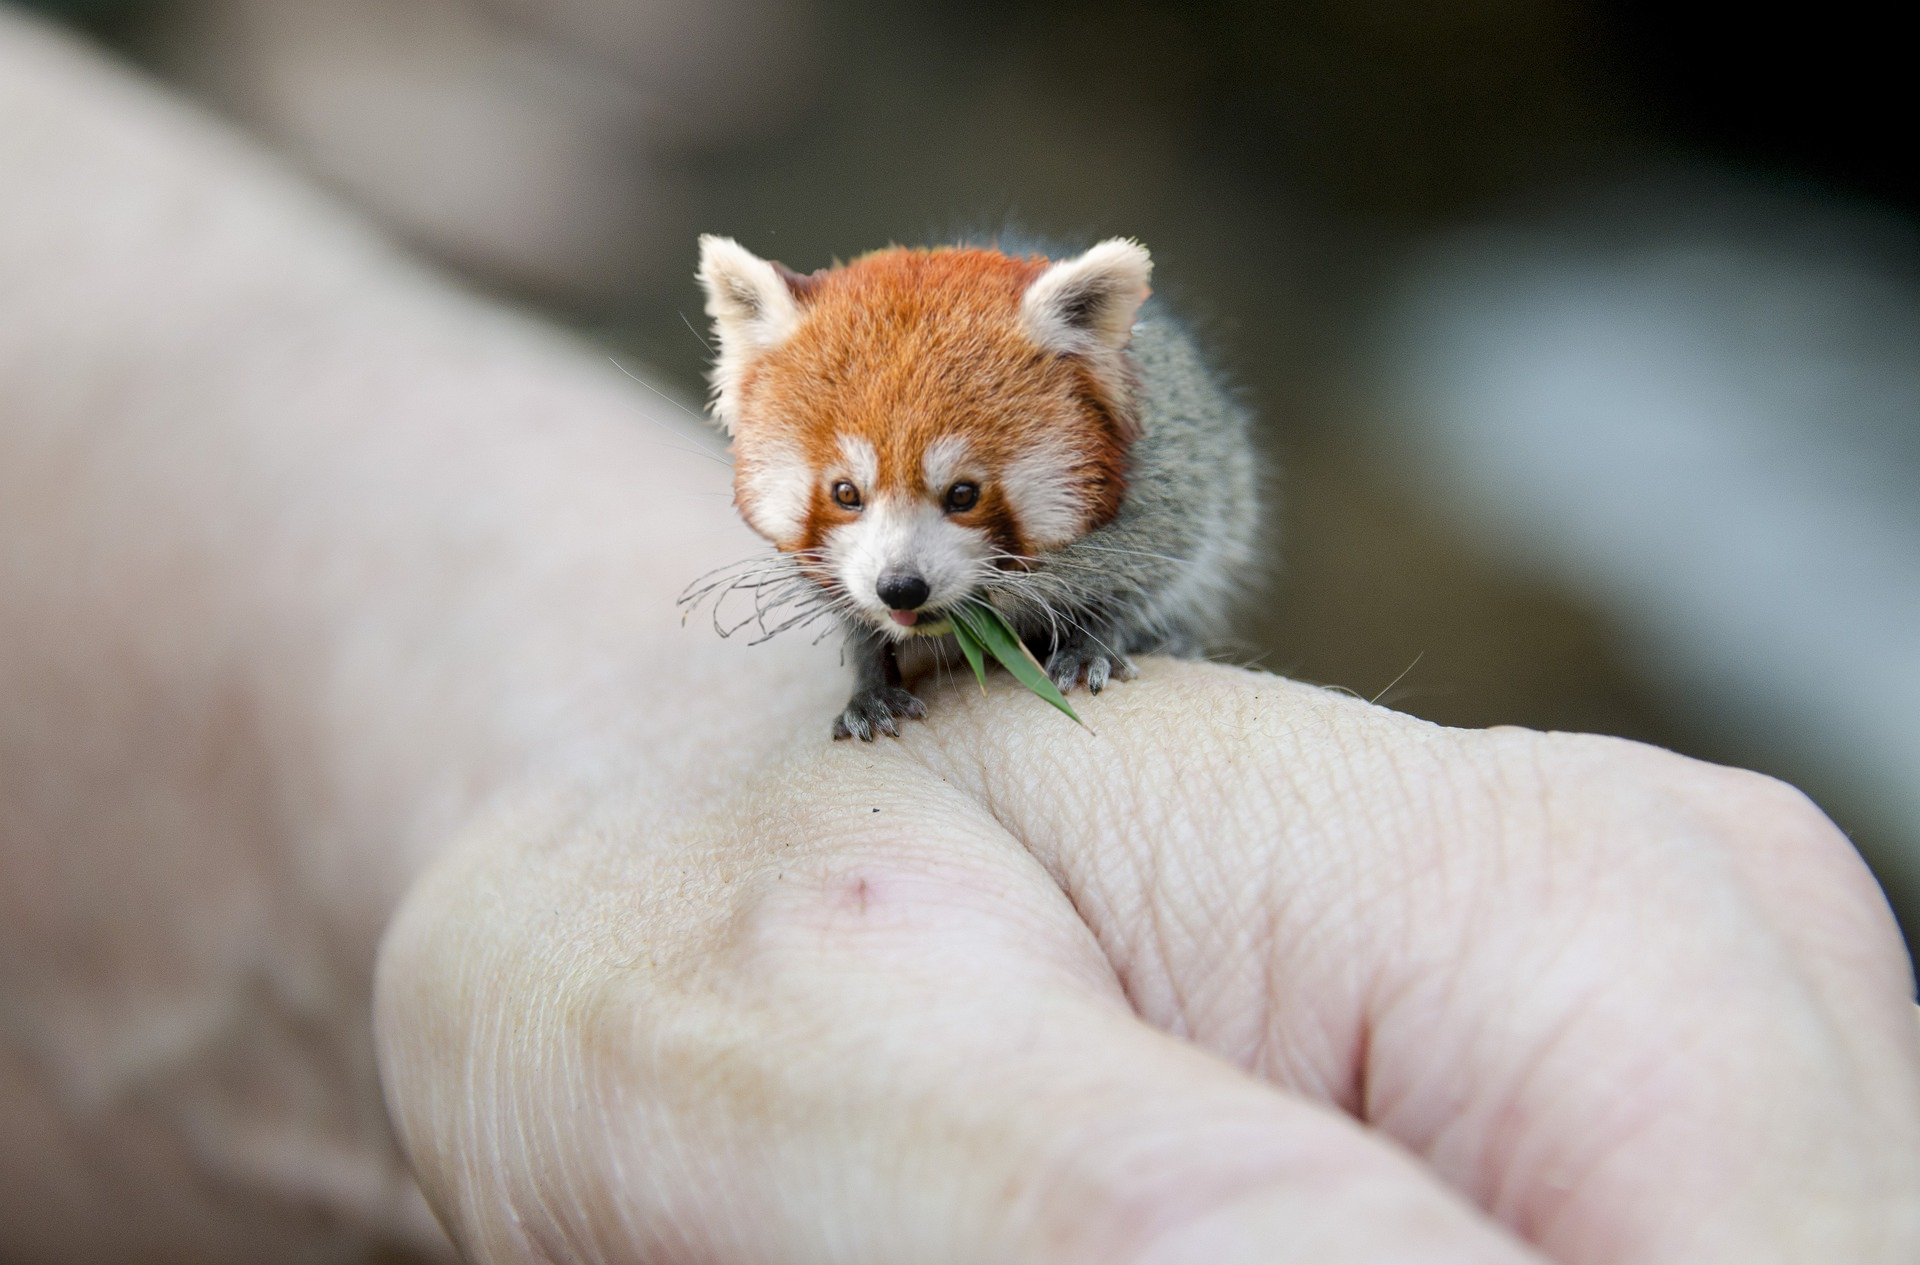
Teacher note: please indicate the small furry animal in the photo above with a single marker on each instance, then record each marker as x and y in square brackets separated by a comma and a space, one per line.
[921, 427]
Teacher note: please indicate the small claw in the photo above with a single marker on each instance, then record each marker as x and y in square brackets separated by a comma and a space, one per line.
[870, 713]
[1070, 665]
[1097, 670]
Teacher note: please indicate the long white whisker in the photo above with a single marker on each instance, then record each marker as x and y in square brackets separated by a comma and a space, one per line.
[1137, 553]
[669, 399]
[696, 333]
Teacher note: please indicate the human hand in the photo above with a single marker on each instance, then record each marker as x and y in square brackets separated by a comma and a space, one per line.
[323, 555]
[1259, 973]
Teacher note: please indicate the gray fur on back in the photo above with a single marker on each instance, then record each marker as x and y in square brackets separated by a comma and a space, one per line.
[1164, 573]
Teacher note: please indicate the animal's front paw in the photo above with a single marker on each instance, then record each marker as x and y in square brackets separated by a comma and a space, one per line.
[875, 711]
[1089, 660]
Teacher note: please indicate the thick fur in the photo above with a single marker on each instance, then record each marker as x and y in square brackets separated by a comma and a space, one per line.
[1163, 573]
[1112, 505]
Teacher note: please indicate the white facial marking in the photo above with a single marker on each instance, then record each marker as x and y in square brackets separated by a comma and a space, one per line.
[778, 485]
[1047, 501]
[897, 532]
[862, 463]
[945, 463]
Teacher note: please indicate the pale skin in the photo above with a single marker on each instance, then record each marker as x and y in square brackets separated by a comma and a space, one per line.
[356, 767]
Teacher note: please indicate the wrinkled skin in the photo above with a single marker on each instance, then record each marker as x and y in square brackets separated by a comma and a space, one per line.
[1065, 998]
[344, 680]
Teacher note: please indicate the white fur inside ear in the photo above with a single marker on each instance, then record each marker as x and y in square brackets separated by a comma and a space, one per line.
[753, 311]
[1086, 304]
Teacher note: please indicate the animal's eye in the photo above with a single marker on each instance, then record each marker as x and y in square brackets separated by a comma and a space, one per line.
[962, 496]
[846, 496]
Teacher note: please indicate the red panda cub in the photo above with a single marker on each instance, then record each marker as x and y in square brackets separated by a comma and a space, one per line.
[919, 428]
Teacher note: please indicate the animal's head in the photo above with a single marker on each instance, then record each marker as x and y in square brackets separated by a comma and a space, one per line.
[917, 422]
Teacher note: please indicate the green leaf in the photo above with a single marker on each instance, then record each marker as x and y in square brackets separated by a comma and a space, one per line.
[970, 646]
[990, 630]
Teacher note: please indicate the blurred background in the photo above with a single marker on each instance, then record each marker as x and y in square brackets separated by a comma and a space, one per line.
[1585, 334]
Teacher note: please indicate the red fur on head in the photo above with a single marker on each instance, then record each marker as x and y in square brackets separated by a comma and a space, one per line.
[903, 348]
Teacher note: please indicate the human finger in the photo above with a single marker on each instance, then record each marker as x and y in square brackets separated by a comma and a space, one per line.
[1640, 1008]
[847, 1018]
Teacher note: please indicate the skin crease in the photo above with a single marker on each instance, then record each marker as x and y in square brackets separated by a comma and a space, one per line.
[343, 677]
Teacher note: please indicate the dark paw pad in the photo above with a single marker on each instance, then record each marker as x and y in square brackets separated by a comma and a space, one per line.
[873, 712]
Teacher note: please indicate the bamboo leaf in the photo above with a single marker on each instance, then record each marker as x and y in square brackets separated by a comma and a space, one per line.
[970, 646]
[990, 629]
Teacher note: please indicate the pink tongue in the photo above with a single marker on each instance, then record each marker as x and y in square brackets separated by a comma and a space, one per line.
[906, 619]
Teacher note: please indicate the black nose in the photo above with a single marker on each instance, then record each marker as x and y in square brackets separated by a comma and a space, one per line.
[902, 590]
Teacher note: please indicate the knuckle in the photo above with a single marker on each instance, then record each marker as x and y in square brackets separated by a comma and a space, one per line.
[1748, 827]
[1784, 809]
[1739, 802]
[1609, 791]
[1630, 770]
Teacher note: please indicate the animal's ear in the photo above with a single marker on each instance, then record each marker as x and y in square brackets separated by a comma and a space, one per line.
[1086, 305]
[754, 304]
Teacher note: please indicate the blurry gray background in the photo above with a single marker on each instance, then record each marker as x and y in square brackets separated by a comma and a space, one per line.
[1586, 336]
